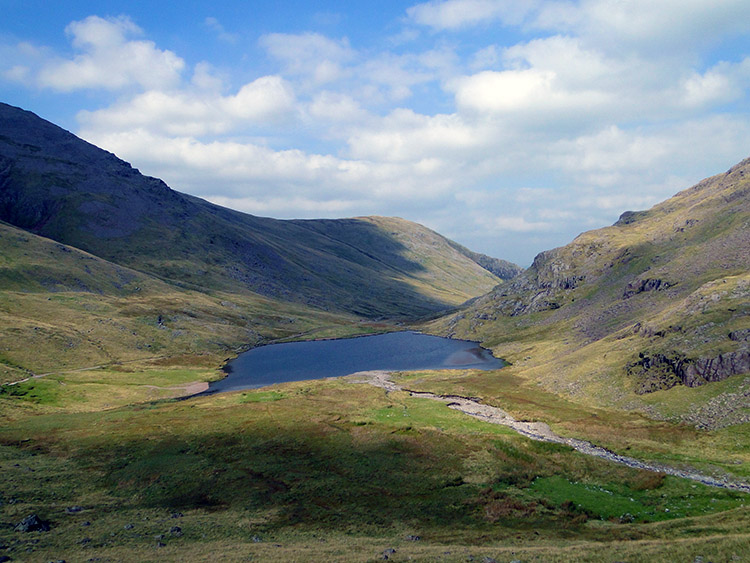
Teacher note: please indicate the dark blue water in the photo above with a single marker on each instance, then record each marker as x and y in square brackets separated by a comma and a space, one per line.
[395, 351]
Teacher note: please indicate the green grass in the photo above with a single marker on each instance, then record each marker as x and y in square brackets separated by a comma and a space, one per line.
[334, 470]
[724, 452]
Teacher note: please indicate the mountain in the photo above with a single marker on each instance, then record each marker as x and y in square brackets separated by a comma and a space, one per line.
[636, 314]
[55, 185]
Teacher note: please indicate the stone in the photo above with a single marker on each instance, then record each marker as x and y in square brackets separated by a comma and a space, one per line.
[387, 553]
[32, 523]
[740, 335]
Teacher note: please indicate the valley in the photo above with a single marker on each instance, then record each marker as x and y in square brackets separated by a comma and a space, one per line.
[119, 295]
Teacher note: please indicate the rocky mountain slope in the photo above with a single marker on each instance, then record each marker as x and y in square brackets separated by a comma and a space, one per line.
[637, 313]
[58, 186]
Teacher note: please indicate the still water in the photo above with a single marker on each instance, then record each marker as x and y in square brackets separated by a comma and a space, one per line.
[395, 351]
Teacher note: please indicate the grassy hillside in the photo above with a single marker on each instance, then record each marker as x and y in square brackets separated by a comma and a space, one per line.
[651, 313]
[63, 309]
[56, 185]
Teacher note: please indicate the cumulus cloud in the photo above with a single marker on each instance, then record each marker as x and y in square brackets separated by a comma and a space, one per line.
[265, 100]
[110, 59]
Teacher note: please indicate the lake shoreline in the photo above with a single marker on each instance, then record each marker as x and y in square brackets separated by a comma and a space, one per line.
[482, 355]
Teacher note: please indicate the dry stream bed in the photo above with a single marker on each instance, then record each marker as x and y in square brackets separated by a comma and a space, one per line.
[542, 432]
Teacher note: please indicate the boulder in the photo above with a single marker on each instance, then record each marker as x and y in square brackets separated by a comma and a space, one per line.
[32, 523]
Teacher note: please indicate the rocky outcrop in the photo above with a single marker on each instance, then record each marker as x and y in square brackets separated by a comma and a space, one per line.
[641, 286]
[501, 268]
[32, 523]
[629, 217]
[740, 335]
[659, 371]
[706, 370]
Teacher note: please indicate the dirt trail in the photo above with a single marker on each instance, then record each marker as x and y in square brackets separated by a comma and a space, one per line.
[542, 432]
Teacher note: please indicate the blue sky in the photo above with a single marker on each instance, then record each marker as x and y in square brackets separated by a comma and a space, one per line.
[509, 126]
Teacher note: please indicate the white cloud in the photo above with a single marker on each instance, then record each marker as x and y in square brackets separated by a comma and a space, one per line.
[310, 54]
[519, 225]
[681, 26]
[642, 25]
[720, 84]
[456, 14]
[265, 100]
[485, 58]
[405, 136]
[110, 60]
[336, 107]
[215, 25]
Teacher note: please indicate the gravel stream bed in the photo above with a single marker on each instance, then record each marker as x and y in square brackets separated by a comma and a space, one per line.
[542, 432]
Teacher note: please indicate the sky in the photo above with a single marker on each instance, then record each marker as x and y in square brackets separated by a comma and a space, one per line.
[509, 126]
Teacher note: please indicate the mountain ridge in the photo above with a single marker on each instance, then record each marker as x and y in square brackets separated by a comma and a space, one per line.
[56, 185]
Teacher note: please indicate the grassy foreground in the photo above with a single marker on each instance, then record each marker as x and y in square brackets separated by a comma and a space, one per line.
[333, 471]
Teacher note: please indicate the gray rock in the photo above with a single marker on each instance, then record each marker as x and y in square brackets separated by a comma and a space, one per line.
[641, 286]
[32, 523]
[740, 335]
[659, 371]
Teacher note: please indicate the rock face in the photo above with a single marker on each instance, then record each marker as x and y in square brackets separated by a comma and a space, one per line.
[704, 370]
[656, 372]
[640, 286]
